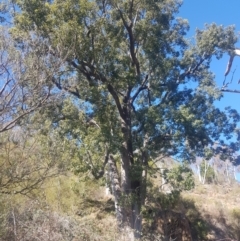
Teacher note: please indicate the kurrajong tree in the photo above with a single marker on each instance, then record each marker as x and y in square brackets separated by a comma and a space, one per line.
[138, 89]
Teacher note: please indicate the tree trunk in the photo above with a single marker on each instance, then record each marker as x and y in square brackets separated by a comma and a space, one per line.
[132, 189]
[131, 182]
[115, 190]
[227, 173]
[141, 198]
[199, 173]
[137, 219]
[129, 190]
[206, 166]
[127, 212]
[234, 173]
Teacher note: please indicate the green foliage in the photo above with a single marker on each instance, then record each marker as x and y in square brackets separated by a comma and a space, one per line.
[216, 36]
[180, 177]
[201, 229]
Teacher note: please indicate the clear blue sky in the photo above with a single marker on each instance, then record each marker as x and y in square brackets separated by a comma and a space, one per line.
[221, 12]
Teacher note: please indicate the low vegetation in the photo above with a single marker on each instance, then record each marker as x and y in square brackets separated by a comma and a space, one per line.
[70, 208]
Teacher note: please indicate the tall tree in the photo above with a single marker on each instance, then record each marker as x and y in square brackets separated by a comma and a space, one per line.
[139, 88]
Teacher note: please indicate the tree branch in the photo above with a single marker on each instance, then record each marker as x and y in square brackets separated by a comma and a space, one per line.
[194, 69]
[141, 88]
[13, 122]
[75, 93]
[232, 91]
[116, 99]
[98, 173]
[131, 42]
[225, 85]
[89, 71]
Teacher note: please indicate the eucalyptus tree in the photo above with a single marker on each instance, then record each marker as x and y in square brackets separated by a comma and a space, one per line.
[139, 88]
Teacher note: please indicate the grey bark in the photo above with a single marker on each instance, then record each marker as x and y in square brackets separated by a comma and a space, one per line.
[115, 189]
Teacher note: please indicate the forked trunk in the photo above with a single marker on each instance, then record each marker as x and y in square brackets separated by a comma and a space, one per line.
[133, 181]
[127, 213]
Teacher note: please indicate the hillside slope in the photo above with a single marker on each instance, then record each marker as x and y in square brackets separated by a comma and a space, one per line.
[71, 210]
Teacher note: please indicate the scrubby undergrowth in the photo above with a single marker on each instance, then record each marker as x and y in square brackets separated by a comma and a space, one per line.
[69, 210]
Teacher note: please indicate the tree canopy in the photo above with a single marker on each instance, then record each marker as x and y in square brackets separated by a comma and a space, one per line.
[133, 55]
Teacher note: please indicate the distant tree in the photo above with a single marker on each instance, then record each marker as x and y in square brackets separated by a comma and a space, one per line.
[225, 170]
[206, 172]
[221, 167]
[139, 89]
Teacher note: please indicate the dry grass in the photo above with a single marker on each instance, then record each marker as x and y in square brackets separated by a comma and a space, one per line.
[215, 205]
[71, 210]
